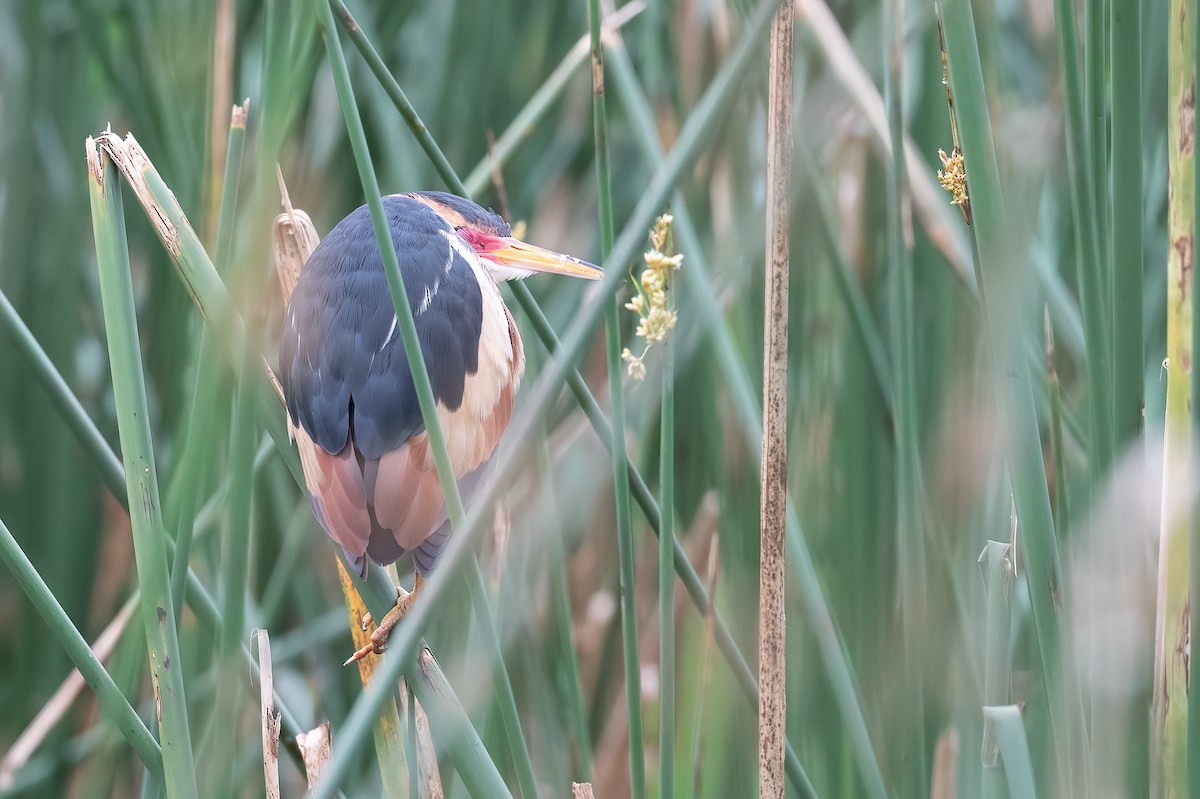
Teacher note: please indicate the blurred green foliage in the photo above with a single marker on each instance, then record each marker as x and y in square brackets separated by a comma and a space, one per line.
[68, 68]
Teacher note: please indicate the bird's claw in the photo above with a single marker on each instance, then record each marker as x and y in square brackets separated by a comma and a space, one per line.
[377, 645]
[379, 637]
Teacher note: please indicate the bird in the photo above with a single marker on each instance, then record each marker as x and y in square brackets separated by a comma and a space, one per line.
[351, 403]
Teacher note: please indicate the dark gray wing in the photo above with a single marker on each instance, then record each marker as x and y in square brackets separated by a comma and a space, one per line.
[342, 362]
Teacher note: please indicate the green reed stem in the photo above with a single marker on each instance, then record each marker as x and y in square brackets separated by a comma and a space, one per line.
[183, 492]
[235, 537]
[560, 605]
[110, 467]
[1095, 64]
[507, 700]
[1062, 502]
[129, 389]
[63, 399]
[666, 578]
[1127, 219]
[540, 103]
[112, 702]
[910, 530]
[243, 441]
[616, 392]
[1091, 271]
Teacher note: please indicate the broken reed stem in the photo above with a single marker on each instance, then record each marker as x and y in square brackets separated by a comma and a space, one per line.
[772, 638]
[270, 719]
[141, 479]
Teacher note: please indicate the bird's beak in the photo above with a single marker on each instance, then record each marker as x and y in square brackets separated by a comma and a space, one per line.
[519, 255]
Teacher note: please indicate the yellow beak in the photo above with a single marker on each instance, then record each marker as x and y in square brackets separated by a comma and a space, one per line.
[519, 255]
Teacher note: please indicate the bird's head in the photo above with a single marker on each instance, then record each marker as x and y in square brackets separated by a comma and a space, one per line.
[505, 257]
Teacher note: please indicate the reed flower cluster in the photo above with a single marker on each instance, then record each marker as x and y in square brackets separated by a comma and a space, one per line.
[953, 176]
[650, 303]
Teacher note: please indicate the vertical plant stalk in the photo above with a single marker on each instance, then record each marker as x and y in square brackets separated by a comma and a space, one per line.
[612, 340]
[1193, 724]
[185, 487]
[235, 531]
[113, 474]
[506, 700]
[910, 533]
[1127, 214]
[571, 684]
[845, 68]
[1062, 495]
[1169, 735]
[1095, 62]
[129, 389]
[666, 579]
[772, 634]
[1089, 264]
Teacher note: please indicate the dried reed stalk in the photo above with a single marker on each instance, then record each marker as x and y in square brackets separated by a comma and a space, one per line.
[772, 639]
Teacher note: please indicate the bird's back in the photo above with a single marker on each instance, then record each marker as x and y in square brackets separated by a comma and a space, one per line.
[350, 394]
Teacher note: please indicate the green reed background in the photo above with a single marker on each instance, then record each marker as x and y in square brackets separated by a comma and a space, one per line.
[944, 381]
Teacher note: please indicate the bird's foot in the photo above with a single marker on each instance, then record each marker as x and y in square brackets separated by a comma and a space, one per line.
[379, 638]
